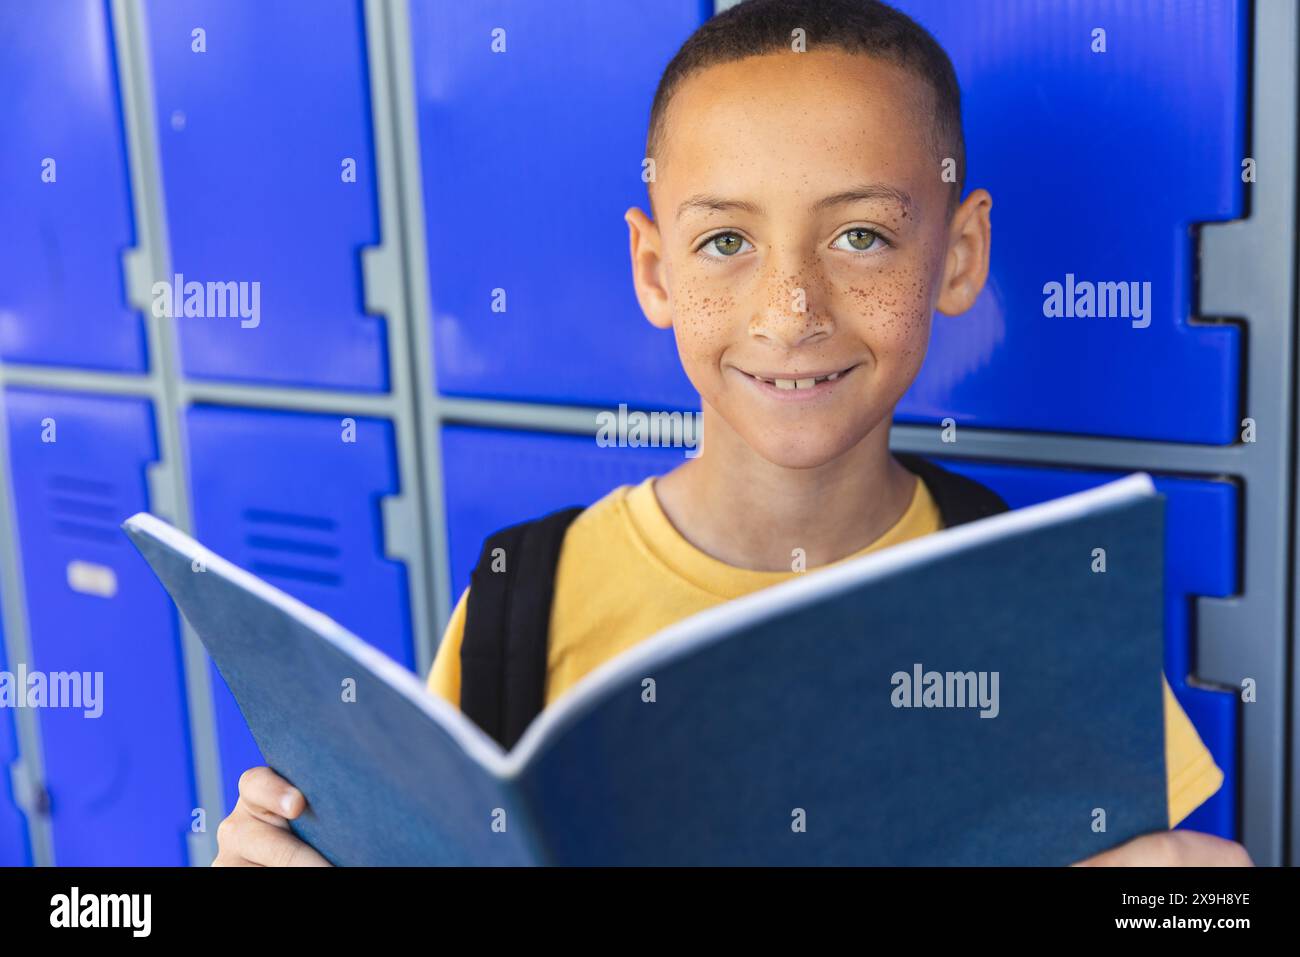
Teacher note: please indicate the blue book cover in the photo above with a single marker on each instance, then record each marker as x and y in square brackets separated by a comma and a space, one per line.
[986, 695]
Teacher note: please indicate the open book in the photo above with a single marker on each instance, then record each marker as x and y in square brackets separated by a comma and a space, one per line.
[989, 694]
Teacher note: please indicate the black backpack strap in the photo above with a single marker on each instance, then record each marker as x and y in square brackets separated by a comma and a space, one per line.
[503, 651]
[959, 499]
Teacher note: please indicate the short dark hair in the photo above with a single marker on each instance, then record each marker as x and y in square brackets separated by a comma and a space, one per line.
[757, 27]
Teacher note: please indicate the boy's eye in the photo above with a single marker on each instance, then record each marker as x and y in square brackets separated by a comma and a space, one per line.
[722, 246]
[727, 245]
[861, 240]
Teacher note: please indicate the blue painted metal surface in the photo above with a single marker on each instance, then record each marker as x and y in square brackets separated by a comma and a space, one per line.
[530, 158]
[293, 499]
[120, 783]
[65, 201]
[1098, 163]
[254, 135]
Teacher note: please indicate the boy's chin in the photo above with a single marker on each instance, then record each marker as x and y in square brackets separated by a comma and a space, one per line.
[803, 451]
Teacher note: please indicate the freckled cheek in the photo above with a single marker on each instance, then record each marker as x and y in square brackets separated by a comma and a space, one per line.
[702, 324]
[892, 315]
[897, 333]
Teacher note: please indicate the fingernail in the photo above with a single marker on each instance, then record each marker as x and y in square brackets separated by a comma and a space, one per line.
[286, 802]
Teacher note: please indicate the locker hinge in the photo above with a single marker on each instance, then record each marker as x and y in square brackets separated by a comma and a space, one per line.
[162, 495]
[29, 794]
[401, 530]
[1218, 631]
[137, 275]
[381, 274]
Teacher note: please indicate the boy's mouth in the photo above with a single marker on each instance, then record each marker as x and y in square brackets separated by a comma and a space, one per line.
[798, 382]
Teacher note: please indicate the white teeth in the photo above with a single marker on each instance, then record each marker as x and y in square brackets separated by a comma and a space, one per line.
[788, 384]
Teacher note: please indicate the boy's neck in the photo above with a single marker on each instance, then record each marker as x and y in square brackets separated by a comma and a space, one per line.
[738, 507]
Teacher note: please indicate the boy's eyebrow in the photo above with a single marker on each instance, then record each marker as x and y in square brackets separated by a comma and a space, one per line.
[867, 191]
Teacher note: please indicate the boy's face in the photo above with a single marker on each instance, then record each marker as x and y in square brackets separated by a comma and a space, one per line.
[803, 232]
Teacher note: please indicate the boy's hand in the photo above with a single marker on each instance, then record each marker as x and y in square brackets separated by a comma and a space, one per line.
[1172, 849]
[256, 834]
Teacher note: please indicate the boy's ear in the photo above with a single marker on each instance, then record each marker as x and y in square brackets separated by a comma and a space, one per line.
[967, 266]
[648, 268]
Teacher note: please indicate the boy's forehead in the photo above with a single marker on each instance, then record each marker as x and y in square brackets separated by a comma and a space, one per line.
[794, 125]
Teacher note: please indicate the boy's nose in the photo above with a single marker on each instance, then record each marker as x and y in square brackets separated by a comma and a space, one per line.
[790, 316]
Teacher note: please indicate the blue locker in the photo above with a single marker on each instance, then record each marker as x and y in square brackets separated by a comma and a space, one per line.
[496, 477]
[254, 135]
[120, 784]
[1098, 164]
[62, 291]
[551, 133]
[286, 496]
[1201, 535]
[15, 848]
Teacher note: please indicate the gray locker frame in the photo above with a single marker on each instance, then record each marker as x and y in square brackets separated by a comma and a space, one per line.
[172, 394]
[1248, 272]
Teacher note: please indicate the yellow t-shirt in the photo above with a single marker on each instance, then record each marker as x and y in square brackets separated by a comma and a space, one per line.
[625, 573]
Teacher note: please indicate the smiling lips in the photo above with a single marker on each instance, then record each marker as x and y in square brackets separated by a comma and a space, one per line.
[791, 383]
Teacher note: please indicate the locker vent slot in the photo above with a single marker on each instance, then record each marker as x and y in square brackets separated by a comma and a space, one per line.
[293, 546]
[83, 509]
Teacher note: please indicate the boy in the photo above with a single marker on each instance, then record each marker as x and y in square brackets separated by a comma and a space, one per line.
[803, 234]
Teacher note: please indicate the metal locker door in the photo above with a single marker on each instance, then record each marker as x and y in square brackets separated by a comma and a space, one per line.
[64, 189]
[1099, 164]
[269, 176]
[502, 136]
[120, 783]
[295, 498]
